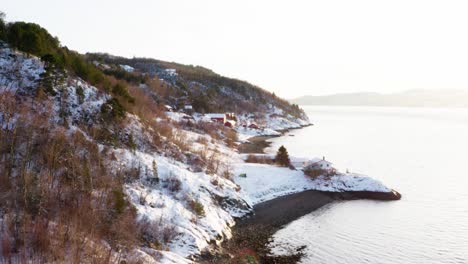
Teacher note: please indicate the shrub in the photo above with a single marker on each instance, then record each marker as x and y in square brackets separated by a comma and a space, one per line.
[153, 177]
[197, 208]
[104, 135]
[113, 109]
[227, 173]
[213, 163]
[173, 184]
[155, 234]
[202, 140]
[119, 202]
[231, 137]
[131, 142]
[179, 138]
[169, 233]
[80, 94]
[314, 173]
[121, 90]
[259, 159]
[215, 182]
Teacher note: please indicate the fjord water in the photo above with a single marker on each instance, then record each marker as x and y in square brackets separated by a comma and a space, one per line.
[422, 153]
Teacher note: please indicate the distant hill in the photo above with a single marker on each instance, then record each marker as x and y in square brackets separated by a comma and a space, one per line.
[206, 90]
[411, 98]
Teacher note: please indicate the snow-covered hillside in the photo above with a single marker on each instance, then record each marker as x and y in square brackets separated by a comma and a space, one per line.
[184, 184]
[168, 202]
[18, 70]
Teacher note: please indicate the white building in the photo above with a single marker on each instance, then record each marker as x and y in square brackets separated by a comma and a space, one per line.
[318, 164]
[127, 68]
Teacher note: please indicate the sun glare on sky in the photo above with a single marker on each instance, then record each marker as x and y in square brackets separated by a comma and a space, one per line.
[290, 47]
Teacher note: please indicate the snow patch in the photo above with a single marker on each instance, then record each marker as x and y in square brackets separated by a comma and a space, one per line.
[265, 182]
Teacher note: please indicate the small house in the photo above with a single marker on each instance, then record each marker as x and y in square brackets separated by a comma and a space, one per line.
[219, 118]
[316, 167]
[230, 123]
[318, 164]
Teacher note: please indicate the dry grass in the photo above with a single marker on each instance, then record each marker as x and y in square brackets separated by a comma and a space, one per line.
[259, 159]
[231, 137]
[157, 234]
[314, 173]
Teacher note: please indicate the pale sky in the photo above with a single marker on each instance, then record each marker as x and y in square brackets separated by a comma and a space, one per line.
[293, 48]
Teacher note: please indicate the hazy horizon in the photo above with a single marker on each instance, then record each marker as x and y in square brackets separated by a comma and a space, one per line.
[293, 49]
[449, 91]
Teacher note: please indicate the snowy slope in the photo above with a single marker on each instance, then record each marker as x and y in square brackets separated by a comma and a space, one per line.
[271, 124]
[157, 203]
[17, 70]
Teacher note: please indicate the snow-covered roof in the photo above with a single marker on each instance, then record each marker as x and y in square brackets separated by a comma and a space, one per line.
[314, 161]
[171, 72]
[215, 115]
[127, 68]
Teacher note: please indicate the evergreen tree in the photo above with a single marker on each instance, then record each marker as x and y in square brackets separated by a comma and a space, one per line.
[2, 26]
[112, 109]
[282, 157]
[53, 75]
[154, 179]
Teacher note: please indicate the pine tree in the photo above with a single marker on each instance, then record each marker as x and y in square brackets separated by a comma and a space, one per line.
[154, 179]
[2, 26]
[53, 75]
[282, 157]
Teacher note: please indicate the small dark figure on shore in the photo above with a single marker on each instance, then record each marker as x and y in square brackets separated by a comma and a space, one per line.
[282, 157]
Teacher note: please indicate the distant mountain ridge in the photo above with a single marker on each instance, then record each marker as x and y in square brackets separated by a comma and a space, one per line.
[410, 98]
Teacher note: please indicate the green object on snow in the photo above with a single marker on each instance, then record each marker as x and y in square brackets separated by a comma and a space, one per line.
[243, 175]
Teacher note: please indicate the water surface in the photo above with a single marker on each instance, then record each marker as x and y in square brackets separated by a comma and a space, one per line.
[422, 153]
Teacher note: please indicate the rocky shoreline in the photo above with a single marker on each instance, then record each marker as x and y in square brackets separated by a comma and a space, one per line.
[258, 144]
[255, 145]
[253, 233]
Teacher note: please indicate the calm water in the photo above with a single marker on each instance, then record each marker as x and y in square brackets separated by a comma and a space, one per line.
[423, 153]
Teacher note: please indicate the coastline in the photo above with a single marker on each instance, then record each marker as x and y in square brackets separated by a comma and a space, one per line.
[258, 144]
[252, 233]
[255, 145]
